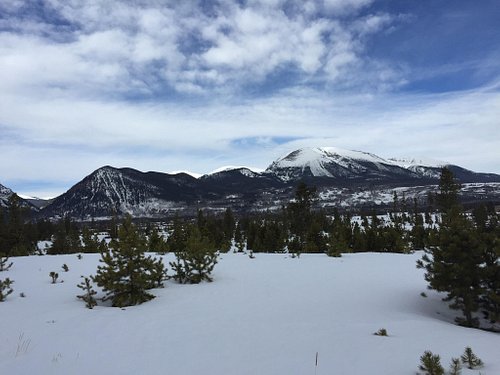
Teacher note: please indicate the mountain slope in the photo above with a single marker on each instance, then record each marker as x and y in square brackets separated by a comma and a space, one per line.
[5, 194]
[124, 190]
[339, 164]
[342, 176]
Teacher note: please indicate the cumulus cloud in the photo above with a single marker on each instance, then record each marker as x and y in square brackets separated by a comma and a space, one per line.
[150, 46]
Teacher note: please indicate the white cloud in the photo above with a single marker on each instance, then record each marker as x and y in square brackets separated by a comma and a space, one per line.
[118, 46]
[345, 6]
[67, 89]
[69, 139]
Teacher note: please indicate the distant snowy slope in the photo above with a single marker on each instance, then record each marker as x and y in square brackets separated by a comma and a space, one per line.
[423, 162]
[233, 167]
[337, 163]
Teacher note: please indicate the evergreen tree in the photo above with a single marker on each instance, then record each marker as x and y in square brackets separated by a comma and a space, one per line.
[90, 241]
[156, 242]
[455, 265]
[88, 293]
[5, 288]
[431, 364]
[176, 241]
[4, 265]
[196, 262]
[488, 226]
[239, 238]
[470, 359]
[300, 217]
[16, 239]
[447, 197]
[54, 276]
[337, 238]
[418, 234]
[455, 366]
[228, 226]
[66, 239]
[127, 273]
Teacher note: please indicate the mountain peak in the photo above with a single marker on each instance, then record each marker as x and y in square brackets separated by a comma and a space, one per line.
[332, 162]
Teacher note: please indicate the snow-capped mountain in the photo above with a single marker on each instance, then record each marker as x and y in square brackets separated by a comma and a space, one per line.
[336, 163]
[5, 194]
[349, 166]
[111, 190]
[341, 176]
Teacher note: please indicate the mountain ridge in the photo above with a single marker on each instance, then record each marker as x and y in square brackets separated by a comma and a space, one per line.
[360, 178]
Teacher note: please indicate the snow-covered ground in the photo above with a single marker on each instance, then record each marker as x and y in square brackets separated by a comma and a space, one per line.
[268, 315]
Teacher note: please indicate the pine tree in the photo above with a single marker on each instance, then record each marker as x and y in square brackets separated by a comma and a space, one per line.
[66, 239]
[16, 240]
[90, 241]
[156, 243]
[470, 359]
[5, 288]
[54, 276]
[299, 213]
[176, 241]
[4, 266]
[418, 234]
[455, 366]
[447, 197]
[431, 364]
[454, 266]
[127, 273]
[488, 226]
[88, 293]
[196, 262]
[239, 238]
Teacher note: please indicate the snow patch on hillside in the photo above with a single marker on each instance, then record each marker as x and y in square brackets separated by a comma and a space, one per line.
[423, 162]
[243, 169]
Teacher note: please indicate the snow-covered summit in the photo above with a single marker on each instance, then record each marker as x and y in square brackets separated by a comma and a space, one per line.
[332, 162]
[408, 162]
[247, 171]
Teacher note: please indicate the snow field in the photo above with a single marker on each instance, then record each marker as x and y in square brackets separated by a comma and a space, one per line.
[268, 315]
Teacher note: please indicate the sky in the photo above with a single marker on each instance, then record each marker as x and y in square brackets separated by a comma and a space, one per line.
[195, 85]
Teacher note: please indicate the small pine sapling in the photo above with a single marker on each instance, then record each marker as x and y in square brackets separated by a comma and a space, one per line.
[430, 364]
[54, 276]
[65, 267]
[127, 273]
[5, 288]
[158, 273]
[455, 366]
[470, 359]
[381, 332]
[196, 262]
[4, 266]
[88, 293]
